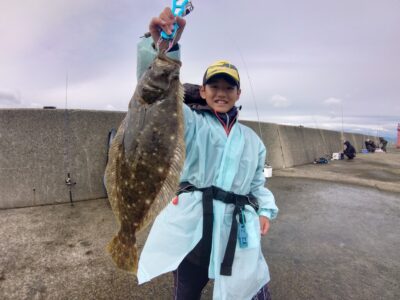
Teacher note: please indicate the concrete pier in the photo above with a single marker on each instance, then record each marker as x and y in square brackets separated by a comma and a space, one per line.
[332, 240]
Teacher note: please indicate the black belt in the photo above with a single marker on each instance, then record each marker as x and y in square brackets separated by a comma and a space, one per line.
[210, 193]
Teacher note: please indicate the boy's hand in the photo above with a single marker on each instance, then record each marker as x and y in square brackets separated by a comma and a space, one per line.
[264, 225]
[166, 22]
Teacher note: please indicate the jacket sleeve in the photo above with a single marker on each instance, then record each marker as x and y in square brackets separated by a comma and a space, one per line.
[266, 199]
[146, 54]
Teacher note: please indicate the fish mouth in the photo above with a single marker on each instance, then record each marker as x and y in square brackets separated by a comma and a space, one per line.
[154, 88]
[153, 92]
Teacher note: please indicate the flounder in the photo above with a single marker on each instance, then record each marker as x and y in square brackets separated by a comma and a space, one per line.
[146, 157]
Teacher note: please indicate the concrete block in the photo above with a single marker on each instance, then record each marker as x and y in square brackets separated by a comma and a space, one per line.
[39, 147]
[269, 134]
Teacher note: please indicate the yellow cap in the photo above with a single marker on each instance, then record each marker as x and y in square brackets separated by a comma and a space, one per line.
[222, 67]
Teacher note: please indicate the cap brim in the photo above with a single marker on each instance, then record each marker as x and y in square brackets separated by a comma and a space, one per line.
[222, 74]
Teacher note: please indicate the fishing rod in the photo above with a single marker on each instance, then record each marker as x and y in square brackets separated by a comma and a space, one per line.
[343, 139]
[67, 154]
[267, 166]
[70, 183]
[251, 89]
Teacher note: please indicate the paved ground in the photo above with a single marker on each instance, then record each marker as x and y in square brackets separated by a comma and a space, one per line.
[379, 170]
[330, 241]
[334, 241]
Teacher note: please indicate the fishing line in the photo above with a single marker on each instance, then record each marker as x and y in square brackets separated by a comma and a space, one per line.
[251, 85]
[276, 134]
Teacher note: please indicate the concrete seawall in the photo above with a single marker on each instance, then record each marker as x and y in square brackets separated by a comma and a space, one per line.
[40, 147]
[290, 146]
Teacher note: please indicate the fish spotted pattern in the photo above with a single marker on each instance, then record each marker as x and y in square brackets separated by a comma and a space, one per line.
[146, 157]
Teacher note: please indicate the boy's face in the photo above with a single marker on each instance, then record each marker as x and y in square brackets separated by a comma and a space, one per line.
[220, 94]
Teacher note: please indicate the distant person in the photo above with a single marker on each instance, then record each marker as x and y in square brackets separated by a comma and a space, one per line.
[370, 145]
[373, 145]
[383, 143]
[349, 151]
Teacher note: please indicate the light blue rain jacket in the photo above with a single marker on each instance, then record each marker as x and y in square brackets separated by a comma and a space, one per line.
[234, 163]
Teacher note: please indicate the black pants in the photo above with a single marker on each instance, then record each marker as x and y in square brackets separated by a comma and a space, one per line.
[190, 279]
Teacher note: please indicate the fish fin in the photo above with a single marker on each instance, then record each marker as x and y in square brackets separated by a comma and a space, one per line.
[111, 172]
[181, 93]
[124, 256]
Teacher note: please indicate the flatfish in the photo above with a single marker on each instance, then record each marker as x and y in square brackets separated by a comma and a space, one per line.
[146, 157]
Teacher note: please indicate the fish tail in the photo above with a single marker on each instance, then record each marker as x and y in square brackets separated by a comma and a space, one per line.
[125, 256]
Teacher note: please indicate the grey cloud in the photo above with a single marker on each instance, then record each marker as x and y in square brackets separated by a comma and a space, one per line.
[279, 101]
[333, 101]
[9, 97]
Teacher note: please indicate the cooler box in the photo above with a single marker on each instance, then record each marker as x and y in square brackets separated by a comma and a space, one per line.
[336, 156]
[267, 171]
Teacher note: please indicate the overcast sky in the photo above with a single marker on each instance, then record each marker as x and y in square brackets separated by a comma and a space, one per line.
[302, 62]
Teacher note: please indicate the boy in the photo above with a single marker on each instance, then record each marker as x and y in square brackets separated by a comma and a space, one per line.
[222, 194]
